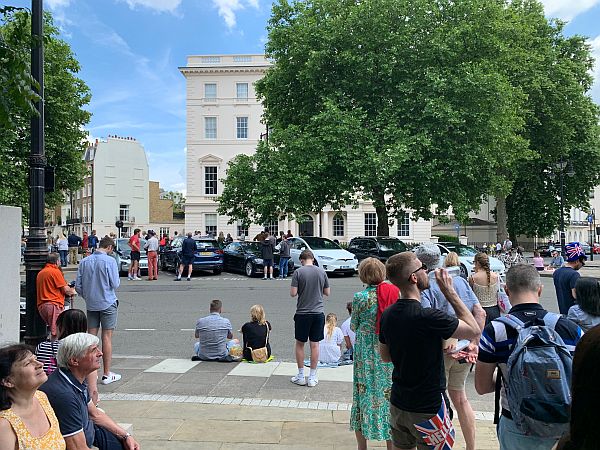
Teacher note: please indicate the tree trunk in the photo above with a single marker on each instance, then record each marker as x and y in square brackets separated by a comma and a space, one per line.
[501, 219]
[383, 227]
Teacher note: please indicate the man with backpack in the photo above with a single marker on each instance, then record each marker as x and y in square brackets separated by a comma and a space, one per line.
[533, 350]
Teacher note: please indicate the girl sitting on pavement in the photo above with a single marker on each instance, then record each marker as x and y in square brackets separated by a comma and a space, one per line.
[330, 348]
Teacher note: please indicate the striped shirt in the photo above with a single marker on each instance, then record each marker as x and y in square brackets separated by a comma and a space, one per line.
[46, 354]
[498, 340]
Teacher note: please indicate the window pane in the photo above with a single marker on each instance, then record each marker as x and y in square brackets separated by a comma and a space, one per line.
[242, 230]
[242, 91]
[338, 225]
[210, 127]
[272, 227]
[210, 180]
[242, 127]
[370, 224]
[404, 225]
[210, 224]
[124, 213]
[210, 90]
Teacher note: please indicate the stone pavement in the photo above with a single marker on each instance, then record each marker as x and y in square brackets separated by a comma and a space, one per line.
[182, 404]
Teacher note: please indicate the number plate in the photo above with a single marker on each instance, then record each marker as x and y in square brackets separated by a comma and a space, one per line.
[206, 253]
[344, 267]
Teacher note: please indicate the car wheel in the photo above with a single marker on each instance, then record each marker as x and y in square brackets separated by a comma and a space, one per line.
[217, 271]
[250, 270]
[463, 271]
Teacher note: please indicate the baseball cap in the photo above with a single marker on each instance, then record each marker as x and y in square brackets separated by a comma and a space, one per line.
[574, 252]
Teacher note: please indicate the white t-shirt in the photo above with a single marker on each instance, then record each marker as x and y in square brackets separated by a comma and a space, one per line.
[329, 347]
[347, 331]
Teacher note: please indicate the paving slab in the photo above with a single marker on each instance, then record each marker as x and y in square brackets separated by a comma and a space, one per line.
[179, 388]
[287, 369]
[172, 365]
[257, 432]
[147, 429]
[254, 370]
[317, 433]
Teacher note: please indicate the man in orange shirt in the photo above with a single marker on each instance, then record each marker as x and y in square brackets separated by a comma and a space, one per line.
[51, 290]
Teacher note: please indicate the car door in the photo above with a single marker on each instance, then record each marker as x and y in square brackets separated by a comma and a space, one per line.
[295, 250]
[173, 254]
[229, 256]
[354, 247]
[369, 248]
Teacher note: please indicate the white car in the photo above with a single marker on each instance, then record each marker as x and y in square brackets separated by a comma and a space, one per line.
[328, 255]
[466, 256]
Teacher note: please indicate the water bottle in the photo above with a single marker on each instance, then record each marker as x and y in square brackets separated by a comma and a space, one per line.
[453, 271]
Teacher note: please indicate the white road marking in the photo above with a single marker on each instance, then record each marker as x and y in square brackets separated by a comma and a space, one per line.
[188, 329]
[140, 329]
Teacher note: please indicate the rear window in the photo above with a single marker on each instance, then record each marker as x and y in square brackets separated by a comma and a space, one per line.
[208, 244]
[392, 245]
[316, 243]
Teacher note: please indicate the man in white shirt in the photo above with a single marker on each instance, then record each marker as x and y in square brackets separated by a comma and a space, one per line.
[151, 248]
[349, 335]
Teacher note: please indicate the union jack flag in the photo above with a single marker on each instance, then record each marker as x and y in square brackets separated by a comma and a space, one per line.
[438, 432]
[574, 250]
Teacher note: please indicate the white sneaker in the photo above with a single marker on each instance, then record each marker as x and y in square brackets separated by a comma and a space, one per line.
[312, 382]
[300, 381]
[137, 278]
[110, 378]
[130, 278]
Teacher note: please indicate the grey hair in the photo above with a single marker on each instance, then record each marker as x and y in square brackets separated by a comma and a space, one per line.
[429, 254]
[522, 278]
[74, 346]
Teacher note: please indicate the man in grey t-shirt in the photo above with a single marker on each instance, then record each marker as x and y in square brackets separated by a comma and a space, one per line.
[309, 283]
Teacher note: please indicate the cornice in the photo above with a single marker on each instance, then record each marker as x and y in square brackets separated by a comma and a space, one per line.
[222, 69]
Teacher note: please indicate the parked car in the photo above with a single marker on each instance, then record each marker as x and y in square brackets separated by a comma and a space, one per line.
[596, 249]
[380, 247]
[122, 255]
[208, 256]
[546, 250]
[246, 257]
[586, 248]
[329, 255]
[466, 255]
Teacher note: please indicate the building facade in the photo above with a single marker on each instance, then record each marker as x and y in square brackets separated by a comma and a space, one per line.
[163, 219]
[224, 120]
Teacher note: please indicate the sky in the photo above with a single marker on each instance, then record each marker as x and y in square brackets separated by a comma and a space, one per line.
[130, 51]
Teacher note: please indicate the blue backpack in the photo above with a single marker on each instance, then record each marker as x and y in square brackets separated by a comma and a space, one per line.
[538, 383]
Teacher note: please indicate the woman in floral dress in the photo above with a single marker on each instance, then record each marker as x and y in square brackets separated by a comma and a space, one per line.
[372, 385]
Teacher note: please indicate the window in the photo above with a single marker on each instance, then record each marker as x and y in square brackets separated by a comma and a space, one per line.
[211, 59]
[272, 227]
[241, 90]
[242, 127]
[242, 58]
[210, 127]
[242, 230]
[78, 194]
[164, 230]
[210, 222]
[370, 224]
[124, 232]
[404, 225]
[124, 213]
[85, 213]
[210, 180]
[210, 91]
[338, 225]
[77, 216]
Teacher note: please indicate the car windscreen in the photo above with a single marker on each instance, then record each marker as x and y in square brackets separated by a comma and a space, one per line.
[208, 244]
[392, 245]
[463, 250]
[321, 243]
[252, 247]
[124, 247]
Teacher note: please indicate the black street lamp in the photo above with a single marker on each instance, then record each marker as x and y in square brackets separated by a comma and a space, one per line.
[561, 166]
[36, 252]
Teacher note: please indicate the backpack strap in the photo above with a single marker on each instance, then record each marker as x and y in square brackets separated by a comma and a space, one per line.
[551, 319]
[511, 321]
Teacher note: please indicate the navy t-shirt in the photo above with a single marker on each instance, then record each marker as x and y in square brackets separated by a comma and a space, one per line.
[188, 247]
[414, 336]
[564, 280]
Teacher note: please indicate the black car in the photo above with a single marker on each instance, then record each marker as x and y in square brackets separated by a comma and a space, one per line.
[246, 257]
[208, 256]
[380, 247]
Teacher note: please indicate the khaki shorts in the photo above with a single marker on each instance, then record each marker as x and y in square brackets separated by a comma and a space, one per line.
[404, 433]
[456, 373]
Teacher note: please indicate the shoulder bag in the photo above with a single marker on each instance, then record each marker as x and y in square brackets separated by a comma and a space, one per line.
[260, 355]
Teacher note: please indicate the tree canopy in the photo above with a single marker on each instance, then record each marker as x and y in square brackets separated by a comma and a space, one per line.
[65, 96]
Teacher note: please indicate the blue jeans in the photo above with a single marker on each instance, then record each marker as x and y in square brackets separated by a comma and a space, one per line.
[283, 266]
[63, 257]
[511, 438]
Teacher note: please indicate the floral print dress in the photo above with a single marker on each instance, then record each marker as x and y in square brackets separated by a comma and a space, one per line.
[372, 377]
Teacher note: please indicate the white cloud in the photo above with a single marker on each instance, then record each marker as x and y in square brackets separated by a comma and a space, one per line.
[228, 8]
[55, 4]
[567, 9]
[156, 5]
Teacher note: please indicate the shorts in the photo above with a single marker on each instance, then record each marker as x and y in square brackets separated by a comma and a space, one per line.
[106, 318]
[309, 327]
[135, 256]
[456, 373]
[50, 312]
[187, 260]
[403, 431]
[267, 263]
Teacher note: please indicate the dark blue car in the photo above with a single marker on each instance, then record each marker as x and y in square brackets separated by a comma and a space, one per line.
[208, 256]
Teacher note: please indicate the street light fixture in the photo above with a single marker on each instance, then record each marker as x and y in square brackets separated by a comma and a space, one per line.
[560, 167]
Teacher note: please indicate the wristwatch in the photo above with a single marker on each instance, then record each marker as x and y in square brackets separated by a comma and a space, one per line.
[125, 436]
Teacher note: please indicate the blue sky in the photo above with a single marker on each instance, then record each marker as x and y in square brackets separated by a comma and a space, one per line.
[130, 51]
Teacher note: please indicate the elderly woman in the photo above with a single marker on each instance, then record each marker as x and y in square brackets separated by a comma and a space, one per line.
[27, 421]
[372, 385]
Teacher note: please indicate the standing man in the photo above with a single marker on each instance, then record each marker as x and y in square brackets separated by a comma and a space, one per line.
[151, 248]
[266, 251]
[524, 288]
[411, 337]
[310, 284]
[507, 245]
[188, 252]
[51, 289]
[93, 241]
[566, 276]
[134, 244]
[284, 256]
[74, 243]
[97, 281]
[84, 244]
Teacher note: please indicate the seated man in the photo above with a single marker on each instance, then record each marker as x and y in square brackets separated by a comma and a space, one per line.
[214, 333]
[81, 423]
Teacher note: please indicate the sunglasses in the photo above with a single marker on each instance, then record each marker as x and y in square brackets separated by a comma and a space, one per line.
[423, 267]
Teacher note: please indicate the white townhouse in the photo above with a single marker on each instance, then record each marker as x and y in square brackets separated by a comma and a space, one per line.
[224, 120]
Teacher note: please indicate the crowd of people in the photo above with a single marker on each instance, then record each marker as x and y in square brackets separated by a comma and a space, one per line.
[413, 334]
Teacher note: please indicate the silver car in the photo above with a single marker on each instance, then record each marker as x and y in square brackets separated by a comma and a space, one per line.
[122, 255]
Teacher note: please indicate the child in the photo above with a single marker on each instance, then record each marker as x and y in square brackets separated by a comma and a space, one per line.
[349, 335]
[330, 348]
[538, 261]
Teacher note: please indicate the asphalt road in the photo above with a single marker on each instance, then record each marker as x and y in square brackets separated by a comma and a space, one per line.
[157, 318]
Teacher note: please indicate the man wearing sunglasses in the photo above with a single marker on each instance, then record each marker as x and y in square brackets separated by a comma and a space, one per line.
[411, 337]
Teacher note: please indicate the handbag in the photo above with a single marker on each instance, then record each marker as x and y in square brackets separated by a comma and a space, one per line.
[502, 300]
[260, 355]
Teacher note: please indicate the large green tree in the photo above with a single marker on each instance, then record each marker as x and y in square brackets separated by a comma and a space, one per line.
[65, 97]
[404, 103]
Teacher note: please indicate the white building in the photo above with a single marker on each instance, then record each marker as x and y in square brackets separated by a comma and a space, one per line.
[223, 120]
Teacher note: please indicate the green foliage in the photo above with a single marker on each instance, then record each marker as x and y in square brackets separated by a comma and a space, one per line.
[447, 238]
[65, 97]
[177, 198]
